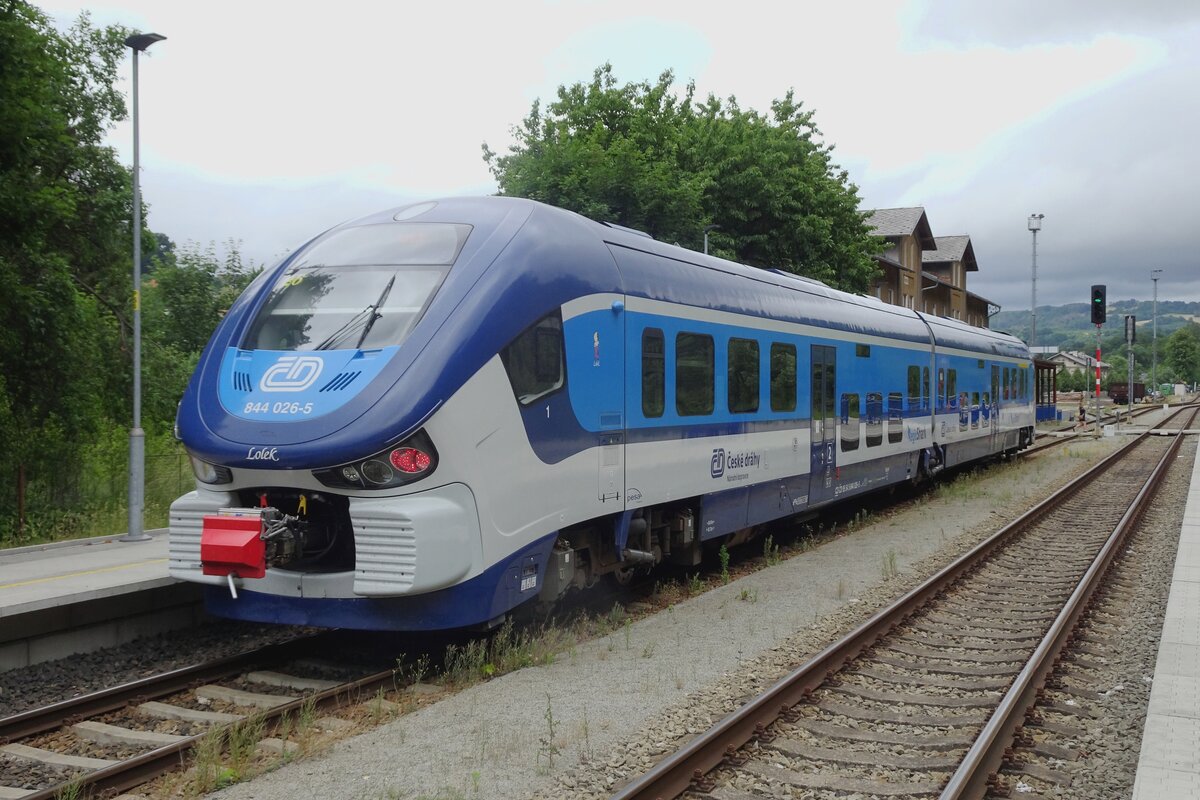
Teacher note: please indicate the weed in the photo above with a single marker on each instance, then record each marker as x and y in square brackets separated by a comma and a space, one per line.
[771, 551]
[283, 731]
[889, 565]
[306, 722]
[416, 672]
[207, 775]
[547, 748]
[585, 754]
[748, 596]
[71, 790]
[723, 554]
[695, 584]
[648, 650]
[626, 628]
[376, 709]
[242, 740]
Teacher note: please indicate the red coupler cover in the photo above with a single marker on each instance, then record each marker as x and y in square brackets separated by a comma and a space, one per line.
[230, 544]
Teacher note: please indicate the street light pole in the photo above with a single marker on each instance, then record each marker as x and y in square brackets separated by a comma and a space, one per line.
[1154, 347]
[708, 228]
[1035, 225]
[137, 437]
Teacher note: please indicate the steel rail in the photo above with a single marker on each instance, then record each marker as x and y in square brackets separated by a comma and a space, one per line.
[977, 772]
[51, 717]
[140, 769]
[674, 775]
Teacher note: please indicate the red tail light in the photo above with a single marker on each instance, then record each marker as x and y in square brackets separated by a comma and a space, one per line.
[410, 460]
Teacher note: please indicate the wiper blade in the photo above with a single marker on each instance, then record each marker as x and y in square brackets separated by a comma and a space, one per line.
[335, 338]
[375, 312]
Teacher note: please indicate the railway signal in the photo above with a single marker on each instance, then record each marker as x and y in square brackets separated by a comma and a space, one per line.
[1099, 314]
[1099, 304]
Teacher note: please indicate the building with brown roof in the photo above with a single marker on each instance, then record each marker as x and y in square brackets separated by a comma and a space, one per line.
[926, 273]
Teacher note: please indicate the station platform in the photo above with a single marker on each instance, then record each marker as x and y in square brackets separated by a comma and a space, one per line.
[1169, 764]
[63, 598]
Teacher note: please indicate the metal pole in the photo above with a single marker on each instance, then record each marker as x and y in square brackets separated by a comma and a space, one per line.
[1096, 396]
[1033, 302]
[137, 437]
[1154, 346]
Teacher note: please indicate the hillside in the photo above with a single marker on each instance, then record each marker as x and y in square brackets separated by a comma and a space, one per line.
[1069, 327]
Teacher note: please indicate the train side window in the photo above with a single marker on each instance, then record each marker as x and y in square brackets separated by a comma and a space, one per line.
[1004, 383]
[940, 401]
[874, 419]
[742, 379]
[849, 425]
[974, 409]
[952, 388]
[895, 426]
[783, 377]
[1024, 384]
[654, 371]
[914, 387]
[925, 393]
[693, 374]
[534, 360]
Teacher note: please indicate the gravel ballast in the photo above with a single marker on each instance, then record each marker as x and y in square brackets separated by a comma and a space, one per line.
[609, 707]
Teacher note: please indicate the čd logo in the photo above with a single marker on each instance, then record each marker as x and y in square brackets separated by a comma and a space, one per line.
[717, 467]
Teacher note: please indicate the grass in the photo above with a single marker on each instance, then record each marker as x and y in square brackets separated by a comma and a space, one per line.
[92, 499]
[889, 565]
[508, 649]
[771, 554]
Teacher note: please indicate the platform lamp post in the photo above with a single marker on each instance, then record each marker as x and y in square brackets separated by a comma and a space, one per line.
[1035, 225]
[708, 228]
[1154, 340]
[137, 437]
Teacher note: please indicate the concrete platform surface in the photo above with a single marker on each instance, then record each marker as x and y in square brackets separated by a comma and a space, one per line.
[1169, 765]
[45, 576]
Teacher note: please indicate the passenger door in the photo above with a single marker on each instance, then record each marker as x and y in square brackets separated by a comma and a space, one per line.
[823, 425]
[608, 383]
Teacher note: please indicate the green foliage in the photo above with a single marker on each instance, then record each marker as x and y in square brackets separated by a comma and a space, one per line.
[640, 156]
[66, 276]
[65, 203]
[1183, 354]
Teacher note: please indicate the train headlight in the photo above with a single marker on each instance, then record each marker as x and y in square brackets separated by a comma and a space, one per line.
[408, 461]
[209, 473]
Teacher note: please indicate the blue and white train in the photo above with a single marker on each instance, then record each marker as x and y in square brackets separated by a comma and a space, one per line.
[430, 416]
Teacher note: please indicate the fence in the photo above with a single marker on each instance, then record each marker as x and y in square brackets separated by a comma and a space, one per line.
[89, 499]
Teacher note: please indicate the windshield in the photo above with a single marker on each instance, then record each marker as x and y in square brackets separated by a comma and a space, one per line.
[357, 288]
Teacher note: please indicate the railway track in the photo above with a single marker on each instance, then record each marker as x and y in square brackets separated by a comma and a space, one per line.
[116, 739]
[934, 695]
[1067, 433]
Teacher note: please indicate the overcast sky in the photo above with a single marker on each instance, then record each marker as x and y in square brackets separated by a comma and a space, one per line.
[265, 123]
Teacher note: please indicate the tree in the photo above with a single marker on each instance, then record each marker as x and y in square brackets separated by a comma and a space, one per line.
[65, 206]
[185, 297]
[639, 156]
[1183, 353]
